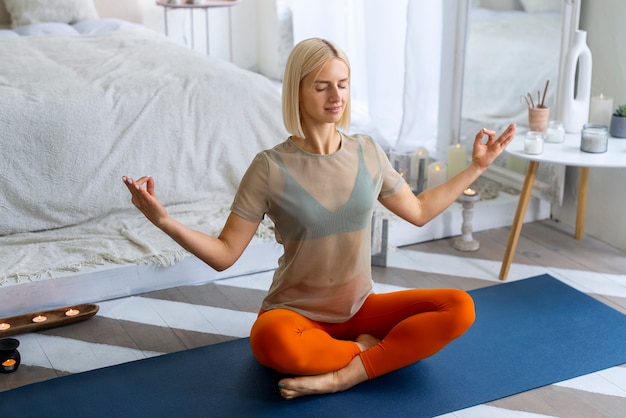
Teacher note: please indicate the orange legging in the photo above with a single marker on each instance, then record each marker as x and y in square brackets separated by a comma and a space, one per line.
[412, 325]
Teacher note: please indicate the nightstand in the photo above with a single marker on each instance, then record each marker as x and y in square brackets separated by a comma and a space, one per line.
[205, 6]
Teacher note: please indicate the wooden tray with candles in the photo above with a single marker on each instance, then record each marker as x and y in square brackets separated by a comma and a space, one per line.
[37, 321]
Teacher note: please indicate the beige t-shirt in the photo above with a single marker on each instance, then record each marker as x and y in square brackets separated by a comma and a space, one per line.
[321, 206]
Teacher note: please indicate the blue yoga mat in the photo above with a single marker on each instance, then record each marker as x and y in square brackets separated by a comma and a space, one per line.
[527, 334]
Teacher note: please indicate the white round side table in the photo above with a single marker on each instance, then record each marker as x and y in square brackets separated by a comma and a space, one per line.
[566, 153]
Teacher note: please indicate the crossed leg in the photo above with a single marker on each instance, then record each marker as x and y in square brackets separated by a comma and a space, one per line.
[390, 331]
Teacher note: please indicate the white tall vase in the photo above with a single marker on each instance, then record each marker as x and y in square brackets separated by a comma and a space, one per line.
[575, 93]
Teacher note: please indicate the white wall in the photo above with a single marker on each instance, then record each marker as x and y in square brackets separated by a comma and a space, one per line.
[606, 199]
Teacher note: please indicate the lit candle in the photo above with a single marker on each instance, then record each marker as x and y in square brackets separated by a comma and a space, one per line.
[39, 318]
[4, 326]
[72, 312]
[600, 110]
[437, 174]
[457, 159]
[8, 363]
[469, 192]
[401, 162]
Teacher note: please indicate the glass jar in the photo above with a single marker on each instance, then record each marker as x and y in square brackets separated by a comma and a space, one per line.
[555, 132]
[594, 138]
[533, 142]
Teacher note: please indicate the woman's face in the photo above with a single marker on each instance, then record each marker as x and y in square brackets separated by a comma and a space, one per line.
[324, 93]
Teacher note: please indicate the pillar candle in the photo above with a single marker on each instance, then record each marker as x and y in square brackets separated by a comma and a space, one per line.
[437, 174]
[600, 110]
[457, 159]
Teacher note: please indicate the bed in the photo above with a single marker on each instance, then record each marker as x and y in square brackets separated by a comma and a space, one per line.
[86, 97]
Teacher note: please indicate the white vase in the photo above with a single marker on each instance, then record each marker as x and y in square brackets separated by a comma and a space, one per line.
[576, 92]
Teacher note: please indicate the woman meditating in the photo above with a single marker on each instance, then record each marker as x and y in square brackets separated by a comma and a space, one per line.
[320, 323]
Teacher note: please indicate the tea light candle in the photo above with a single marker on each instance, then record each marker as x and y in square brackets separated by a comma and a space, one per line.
[600, 110]
[8, 363]
[555, 132]
[72, 312]
[594, 138]
[437, 174]
[467, 242]
[457, 159]
[39, 318]
[4, 326]
[533, 142]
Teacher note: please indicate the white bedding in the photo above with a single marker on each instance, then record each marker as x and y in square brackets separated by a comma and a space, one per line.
[508, 54]
[79, 111]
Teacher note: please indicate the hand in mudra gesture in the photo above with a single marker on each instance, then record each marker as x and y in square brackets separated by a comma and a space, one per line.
[143, 197]
[484, 154]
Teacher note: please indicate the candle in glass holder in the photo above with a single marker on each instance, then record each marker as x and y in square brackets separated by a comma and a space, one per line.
[594, 138]
[72, 312]
[533, 142]
[4, 326]
[39, 318]
[555, 132]
[401, 162]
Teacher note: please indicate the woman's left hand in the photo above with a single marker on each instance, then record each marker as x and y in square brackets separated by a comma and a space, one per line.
[484, 154]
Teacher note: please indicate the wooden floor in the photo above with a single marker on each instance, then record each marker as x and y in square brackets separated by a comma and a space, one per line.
[165, 321]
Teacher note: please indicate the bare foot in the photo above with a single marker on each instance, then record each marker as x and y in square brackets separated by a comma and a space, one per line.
[337, 381]
[365, 341]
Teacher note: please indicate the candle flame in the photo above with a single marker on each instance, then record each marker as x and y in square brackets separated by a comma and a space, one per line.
[469, 192]
[437, 167]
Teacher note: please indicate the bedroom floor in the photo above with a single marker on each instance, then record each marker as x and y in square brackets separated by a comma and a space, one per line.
[190, 316]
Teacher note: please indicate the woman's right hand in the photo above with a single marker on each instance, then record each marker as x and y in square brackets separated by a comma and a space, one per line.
[142, 192]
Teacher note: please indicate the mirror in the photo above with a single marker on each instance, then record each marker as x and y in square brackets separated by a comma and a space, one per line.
[512, 48]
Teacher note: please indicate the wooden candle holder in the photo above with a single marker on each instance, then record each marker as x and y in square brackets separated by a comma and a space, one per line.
[53, 318]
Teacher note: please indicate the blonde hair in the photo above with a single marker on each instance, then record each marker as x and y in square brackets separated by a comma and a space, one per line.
[305, 57]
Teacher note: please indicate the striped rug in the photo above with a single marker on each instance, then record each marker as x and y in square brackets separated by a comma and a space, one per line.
[175, 319]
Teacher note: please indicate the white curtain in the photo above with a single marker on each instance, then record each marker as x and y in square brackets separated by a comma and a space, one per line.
[394, 49]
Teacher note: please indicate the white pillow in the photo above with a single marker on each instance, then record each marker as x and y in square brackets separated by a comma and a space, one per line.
[538, 6]
[25, 12]
[46, 28]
